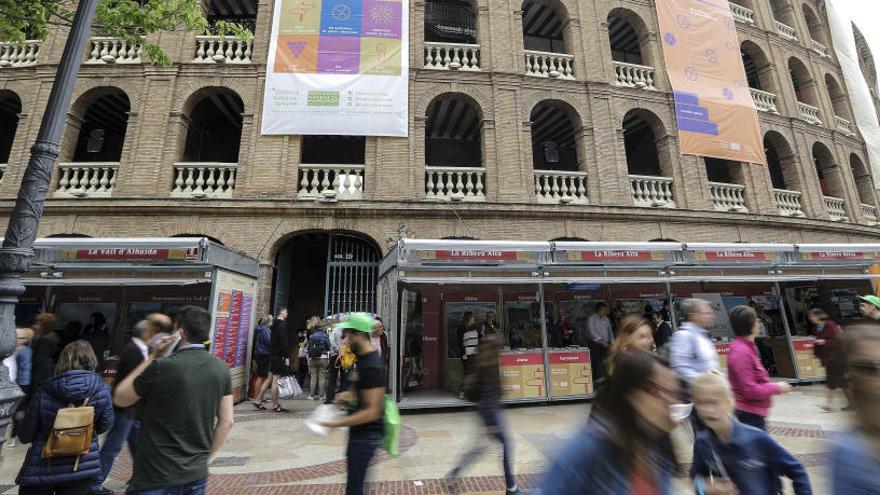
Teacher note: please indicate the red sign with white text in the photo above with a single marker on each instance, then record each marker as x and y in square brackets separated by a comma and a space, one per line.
[474, 255]
[615, 255]
[129, 254]
[734, 256]
[837, 256]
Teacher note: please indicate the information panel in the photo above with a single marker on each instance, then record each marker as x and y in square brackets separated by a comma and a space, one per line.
[338, 67]
[714, 110]
[233, 314]
[522, 375]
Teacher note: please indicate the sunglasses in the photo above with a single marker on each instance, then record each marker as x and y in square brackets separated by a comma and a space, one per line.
[868, 368]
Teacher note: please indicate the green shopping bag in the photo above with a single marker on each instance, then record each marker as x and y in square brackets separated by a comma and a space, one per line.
[392, 427]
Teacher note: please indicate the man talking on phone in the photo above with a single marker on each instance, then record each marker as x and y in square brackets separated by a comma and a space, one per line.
[186, 408]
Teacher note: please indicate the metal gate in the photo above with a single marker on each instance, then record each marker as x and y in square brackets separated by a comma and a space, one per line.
[352, 273]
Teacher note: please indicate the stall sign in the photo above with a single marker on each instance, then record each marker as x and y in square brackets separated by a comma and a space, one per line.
[616, 255]
[453, 255]
[735, 256]
[130, 254]
[838, 256]
[723, 350]
[808, 364]
[522, 376]
[570, 373]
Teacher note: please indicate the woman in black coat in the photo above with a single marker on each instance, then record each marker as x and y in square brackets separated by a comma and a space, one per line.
[46, 346]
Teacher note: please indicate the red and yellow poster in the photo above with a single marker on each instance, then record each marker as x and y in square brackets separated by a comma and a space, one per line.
[714, 110]
[522, 376]
[570, 373]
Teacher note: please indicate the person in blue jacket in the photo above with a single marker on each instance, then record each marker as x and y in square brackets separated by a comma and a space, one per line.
[731, 457]
[75, 381]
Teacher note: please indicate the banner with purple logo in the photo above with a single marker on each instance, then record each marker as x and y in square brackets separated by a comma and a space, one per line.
[714, 110]
[338, 67]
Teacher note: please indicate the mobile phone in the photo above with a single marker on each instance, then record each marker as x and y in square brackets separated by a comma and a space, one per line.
[175, 339]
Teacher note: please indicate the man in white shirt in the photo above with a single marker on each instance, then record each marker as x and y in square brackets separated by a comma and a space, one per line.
[691, 350]
[601, 336]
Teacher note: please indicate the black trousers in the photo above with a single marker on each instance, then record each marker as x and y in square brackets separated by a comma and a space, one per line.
[332, 378]
[752, 419]
[80, 487]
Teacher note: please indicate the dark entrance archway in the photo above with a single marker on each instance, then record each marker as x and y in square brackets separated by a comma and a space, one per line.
[323, 273]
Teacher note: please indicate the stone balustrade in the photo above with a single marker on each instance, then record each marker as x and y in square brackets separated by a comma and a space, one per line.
[557, 187]
[869, 213]
[788, 203]
[785, 31]
[844, 126]
[19, 55]
[331, 182]
[204, 180]
[633, 75]
[454, 56]
[113, 51]
[552, 65]
[742, 14]
[93, 179]
[652, 192]
[213, 49]
[809, 113]
[728, 197]
[836, 208]
[819, 48]
[455, 183]
[764, 101]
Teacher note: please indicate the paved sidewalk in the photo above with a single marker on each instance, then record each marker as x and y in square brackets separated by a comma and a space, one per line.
[274, 453]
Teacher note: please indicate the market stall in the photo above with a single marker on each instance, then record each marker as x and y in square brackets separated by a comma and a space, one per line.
[84, 280]
[540, 297]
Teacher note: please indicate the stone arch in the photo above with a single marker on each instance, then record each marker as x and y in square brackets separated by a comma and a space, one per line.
[568, 239]
[815, 26]
[556, 130]
[96, 126]
[802, 82]
[474, 93]
[213, 124]
[830, 178]
[863, 179]
[642, 129]
[189, 92]
[839, 99]
[782, 11]
[546, 26]
[629, 37]
[454, 131]
[10, 111]
[759, 67]
[782, 163]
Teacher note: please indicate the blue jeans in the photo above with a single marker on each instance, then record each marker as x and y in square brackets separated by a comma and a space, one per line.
[194, 488]
[493, 420]
[125, 428]
[361, 448]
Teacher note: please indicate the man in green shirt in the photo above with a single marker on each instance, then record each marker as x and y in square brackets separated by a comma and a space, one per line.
[185, 408]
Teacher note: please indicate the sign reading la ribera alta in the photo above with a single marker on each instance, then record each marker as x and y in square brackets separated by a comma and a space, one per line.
[337, 67]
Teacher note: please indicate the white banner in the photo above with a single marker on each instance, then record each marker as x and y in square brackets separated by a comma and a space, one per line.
[338, 67]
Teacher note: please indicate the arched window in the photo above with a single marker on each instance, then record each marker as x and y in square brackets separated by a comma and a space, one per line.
[453, 134]
[544, 27]
[243, 12]
[554, 145]
[829, 173]
[818, 39]
[804, 91]
[864, 182]
[650, 177]
[783, 19]
[839, 100]
[10, 108]
[104, 113]
[726, 184]
[214, 127]
[759, 69]
[450, 21]
[781, 162]
[626, 43]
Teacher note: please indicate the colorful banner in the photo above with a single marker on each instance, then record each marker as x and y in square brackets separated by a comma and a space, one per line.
[714, 110]
[338, 67]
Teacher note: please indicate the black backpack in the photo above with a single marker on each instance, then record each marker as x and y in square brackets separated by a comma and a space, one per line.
[317, 347]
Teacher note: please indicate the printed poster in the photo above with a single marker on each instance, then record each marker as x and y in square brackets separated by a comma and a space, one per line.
[522, 376]
[232, 326]
[714, 110]
[338, 67]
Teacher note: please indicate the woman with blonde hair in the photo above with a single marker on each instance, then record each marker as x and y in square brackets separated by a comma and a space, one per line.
[75, 382]
[633, 332]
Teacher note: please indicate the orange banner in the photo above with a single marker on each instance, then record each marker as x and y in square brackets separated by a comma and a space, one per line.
[713, 105]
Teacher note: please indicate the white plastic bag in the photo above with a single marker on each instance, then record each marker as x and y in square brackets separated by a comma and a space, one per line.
[288, 387]
[325, 412]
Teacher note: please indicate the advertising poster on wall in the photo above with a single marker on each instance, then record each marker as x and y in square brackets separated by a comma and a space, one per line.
[714, 110]
[522, 375]
[338, 67]
[570, 373]
[232, 325]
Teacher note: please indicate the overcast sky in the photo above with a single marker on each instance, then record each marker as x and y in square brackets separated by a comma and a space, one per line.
[866, 14]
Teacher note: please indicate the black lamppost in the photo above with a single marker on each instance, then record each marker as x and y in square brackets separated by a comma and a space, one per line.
[17, 250]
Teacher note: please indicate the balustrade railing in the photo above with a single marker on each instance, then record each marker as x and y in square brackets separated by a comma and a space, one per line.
[786, 31]
[728, 197]
[211, 49]
[113, 51]
[19, 55]
[652, 192]
[788, 203]
[819, 48]
[455, 183]
[844, 125]
[204, 179]
[94, 179]
[869, 213]
[809, 113]
[553, 65]
[633, 75]
[330, 182]
[836, 208]
[556, 187]
[764, 101]
[742, 14]
[455, 56]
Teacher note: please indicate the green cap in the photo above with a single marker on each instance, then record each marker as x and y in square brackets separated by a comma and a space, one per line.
[359, 322]
[871, 299]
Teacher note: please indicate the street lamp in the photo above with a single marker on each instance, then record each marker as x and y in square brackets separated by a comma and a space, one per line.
[17, 250]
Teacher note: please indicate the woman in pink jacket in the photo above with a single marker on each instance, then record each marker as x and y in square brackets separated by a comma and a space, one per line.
[749, 380]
